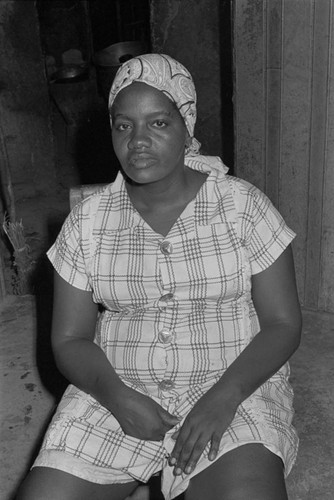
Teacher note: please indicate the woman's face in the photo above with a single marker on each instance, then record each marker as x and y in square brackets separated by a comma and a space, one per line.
[148, 133]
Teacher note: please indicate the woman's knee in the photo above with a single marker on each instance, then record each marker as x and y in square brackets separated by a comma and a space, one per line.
[34, 486]
[250, 471]
[43, 483]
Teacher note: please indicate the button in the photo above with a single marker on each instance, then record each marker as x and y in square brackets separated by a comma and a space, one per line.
[166, 247]
[166, 297]
[166, 385]
[165, 336]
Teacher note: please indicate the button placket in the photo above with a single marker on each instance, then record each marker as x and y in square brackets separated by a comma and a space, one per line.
[165, 249]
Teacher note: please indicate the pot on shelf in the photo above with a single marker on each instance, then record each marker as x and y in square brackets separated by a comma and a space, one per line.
[108, 60]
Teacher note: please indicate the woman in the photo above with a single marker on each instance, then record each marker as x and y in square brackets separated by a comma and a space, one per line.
[184, 369]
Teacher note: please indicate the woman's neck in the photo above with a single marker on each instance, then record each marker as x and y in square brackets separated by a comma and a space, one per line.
[167, 193]
[160, 205]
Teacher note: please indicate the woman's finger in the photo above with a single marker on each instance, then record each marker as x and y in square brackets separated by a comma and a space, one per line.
[187, 452]
[214, 448]
[182, 437]
[188, 462]
[186, 459]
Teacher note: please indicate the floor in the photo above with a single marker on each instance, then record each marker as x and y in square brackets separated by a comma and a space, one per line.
[30, 386]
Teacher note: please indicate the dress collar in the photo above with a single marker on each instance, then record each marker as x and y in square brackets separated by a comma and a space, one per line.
[213, 203]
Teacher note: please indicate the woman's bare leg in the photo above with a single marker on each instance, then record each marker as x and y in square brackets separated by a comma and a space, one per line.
[250, 472]
[44, 483]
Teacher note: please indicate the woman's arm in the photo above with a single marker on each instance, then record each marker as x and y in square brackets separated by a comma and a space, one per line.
[78, 358]
[85, 365]
[276, 302]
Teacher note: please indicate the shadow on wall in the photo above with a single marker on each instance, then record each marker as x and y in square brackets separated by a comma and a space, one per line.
[83, 135]
[91, 149]
[94, 154]
[88, 148]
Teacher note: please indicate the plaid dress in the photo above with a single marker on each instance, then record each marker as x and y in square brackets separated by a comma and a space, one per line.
[177, 311]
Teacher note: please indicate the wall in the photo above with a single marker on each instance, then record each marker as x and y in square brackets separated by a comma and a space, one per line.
[58, 135]
[24, 103]
[27, 146]
[48, 131]
[284, 134]
[189, 32]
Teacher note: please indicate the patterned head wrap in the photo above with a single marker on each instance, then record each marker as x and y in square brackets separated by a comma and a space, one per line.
[170, 77]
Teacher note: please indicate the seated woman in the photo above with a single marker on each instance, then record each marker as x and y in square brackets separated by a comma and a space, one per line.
[184, 369]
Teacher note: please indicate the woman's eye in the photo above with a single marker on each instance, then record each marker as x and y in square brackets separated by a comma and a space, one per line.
[122, 126]
[160, 123]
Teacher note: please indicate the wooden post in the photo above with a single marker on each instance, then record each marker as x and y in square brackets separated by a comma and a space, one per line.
[284, 125]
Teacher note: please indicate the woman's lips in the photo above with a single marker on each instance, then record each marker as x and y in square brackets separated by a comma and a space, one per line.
[141, 160]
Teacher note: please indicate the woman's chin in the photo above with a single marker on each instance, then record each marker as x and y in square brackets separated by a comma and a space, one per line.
[142, 174]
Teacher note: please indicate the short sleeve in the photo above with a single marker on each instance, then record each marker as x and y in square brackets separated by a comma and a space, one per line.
[68, 253]
[263, 228]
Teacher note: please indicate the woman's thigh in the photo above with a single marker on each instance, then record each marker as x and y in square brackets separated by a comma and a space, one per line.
[44, 483]
[250, 472]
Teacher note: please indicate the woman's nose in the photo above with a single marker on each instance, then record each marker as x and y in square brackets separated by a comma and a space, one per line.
[139, 138]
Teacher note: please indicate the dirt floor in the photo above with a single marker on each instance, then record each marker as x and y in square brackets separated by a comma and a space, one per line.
[31, 385]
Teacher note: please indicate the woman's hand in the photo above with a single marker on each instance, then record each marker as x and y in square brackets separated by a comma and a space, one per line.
[275, 299]
[73, 330]
[206, 423]
[141, 417]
